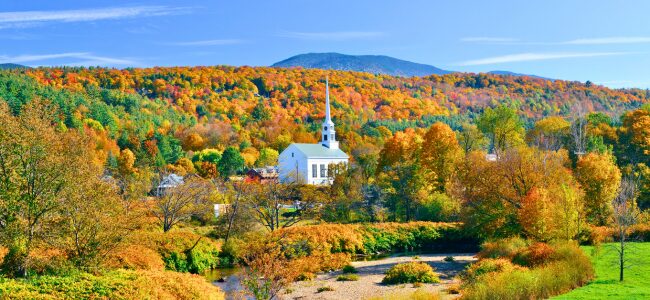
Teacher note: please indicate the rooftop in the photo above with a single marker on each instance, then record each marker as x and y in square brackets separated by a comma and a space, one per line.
[318, 150]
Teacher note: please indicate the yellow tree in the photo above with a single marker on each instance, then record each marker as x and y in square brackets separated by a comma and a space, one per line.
[600, 178]
[549, 133]
[440, 153]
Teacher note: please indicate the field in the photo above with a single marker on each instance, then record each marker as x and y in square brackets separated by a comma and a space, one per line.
[606, 284]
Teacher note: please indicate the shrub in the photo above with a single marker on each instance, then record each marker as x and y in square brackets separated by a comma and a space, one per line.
[506, 248]
[305, 277]
[349, 269]
[534, 255]
[475, 271]
[554, 272]
[324, 289]
[410, 273]
[449, 259]
[120, 284]
[135, 257]
[347, 277]
[182, 251]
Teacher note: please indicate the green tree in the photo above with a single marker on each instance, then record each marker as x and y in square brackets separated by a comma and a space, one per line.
[231, 162]
[268, 157]
[502, 126]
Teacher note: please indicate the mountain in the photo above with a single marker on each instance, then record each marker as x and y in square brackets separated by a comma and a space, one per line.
[376, 64]
[498, 72]
[12, 66]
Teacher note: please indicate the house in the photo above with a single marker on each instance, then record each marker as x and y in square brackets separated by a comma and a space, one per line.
[263, 175]
[312, 163]
[168, 182]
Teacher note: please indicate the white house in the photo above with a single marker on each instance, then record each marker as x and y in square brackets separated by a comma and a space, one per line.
[310, 163]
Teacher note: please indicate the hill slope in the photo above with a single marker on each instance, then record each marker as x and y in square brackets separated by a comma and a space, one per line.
[164, 113]
[11, 66]
[376, 64]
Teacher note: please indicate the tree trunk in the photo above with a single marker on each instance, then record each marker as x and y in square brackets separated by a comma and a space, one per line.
[622, 257]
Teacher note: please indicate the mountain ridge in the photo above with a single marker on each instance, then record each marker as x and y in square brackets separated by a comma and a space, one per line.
[375, 64]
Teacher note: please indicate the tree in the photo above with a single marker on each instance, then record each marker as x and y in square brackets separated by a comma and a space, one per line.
[180, 203]
[502, 126]
[34, 175]
[549, 133]
[345, 194]
[400, 175]
[267, 269]
[470, 138]
[579, 129]
[51, 193]
[268, 157]
[625, 215]
[94, 221]
[279, 205]
[237, 217]
[599, 177]
[440, 153]
[231, 162]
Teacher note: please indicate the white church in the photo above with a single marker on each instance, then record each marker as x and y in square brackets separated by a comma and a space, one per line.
[310, 163]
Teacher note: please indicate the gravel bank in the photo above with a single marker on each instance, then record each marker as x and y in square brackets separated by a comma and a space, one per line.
[372, 272]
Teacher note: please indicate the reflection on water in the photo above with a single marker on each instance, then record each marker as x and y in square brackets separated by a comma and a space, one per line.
[216, 274]
[227, 279]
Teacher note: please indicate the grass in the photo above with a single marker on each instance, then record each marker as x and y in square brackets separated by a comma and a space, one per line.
[606, 284]
[324, 289]
[348, 277]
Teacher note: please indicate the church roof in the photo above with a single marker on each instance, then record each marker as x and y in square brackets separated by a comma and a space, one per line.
[318, 150]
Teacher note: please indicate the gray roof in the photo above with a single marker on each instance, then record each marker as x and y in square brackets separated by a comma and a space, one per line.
[318, 150]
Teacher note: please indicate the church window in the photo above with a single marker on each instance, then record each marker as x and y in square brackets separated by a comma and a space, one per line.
[325, 137]
[325, 128]
[322, 171]
[333, 137]
[314, 171]
[291, 154]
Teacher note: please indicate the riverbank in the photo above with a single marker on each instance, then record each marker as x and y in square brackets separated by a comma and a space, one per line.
[372, 272]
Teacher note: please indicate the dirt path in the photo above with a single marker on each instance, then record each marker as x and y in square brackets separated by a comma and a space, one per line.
[372, 272]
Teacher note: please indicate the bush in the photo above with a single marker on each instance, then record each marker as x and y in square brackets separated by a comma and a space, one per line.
[349, 269]
[476, 271]
[120, 284]
[410, 273]
[449, 259]
[135, 257]
[534, 255]
[324, 289]
[505, 248]
[347, 277]
[182, 251]
[554, 270]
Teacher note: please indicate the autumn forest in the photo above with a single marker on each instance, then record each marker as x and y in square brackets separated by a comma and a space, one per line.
[523, 172]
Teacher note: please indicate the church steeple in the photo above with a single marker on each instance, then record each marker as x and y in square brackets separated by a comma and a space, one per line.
[329, 134]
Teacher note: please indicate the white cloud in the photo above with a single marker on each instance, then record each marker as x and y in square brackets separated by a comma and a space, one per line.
[488, 40]
[87, 59]
[610, 40]
[338, 35]
[209, 42]
[19, 19]
[535, 56]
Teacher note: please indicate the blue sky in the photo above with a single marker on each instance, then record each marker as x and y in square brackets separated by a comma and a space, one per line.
[607, 42]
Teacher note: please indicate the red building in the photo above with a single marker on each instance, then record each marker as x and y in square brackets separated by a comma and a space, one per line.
[262, 175]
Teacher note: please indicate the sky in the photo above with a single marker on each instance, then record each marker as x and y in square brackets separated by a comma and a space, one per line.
[606, 42]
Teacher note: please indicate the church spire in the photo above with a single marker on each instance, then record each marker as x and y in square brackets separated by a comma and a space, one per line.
[328, 117]
[329, 134]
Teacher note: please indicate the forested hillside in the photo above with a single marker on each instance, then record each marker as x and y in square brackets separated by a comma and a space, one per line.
[160, 114]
